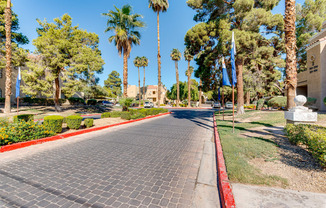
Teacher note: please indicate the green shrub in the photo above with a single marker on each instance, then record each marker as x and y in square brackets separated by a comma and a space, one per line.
[54, 123]
[24, 117]
[91, 102]
[115, 114]
[88, 122]
[260, 104]
[325, 100]
[138, 115]
[74, 121]
[76, 101]
[277, 102]
[314, 137]
[132, 111]
[23, 131]
[126, 115]
[4, 122]
[251, 106]
[106, 115]
[125, 103]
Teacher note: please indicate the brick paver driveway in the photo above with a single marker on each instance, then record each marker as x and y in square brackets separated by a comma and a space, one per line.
[150, 164]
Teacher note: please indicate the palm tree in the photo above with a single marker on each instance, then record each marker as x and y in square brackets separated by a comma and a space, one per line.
[138, 63]
[125, 25]
[188, 74]
[144, 63]
[200, 91]
[159, 6]
[290, 45]
[188, 57]
[8, 22]
[176, 56]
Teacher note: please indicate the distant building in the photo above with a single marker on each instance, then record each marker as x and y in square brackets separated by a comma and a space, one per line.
[312, 82]
[151, 93]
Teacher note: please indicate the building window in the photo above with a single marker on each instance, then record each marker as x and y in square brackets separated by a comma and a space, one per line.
[1, 73]
[0, 93]
[154, 92]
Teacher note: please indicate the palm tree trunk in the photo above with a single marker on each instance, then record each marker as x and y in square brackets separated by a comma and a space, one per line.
[177, 76]
[139, 96]
[200, 92]
[240, 103]
[248, 98]
[144, 88]
[8, 21]
[189, 93]
[125, 74]
[57, 94]
[290, 46]
[158, 60]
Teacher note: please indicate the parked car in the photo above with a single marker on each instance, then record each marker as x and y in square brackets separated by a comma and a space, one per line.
[148, 105]
[228, 105]
[216, 105]
[107, 103]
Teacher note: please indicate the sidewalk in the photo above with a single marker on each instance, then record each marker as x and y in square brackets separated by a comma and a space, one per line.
[247, 196]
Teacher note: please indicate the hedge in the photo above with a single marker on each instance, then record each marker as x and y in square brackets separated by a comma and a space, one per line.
[126, 115]
[106, 115]
[115, 114]
[54, 123]
[41, 101]
[23, 131]
[76, 101]
[252, 106]
[314, 137]
[24, 117]
[325, 100]
[74, 121]
[277, 102]
[91, 102]
[89, 122]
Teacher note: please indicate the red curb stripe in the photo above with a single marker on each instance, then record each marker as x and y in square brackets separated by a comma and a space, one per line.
[226, 194]
[63, 136]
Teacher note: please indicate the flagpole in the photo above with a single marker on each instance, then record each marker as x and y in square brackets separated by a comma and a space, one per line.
[223, 101]
[233, 106]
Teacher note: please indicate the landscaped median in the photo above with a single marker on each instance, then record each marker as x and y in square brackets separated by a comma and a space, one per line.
[23, 132]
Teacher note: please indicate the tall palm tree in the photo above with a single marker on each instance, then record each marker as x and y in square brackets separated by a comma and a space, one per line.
[138, 63]
[290, 46]
[144, 63]
[8, 22]
[125, 25]
[176, 56]
[189, 71]
[159, 6]
[188, 57]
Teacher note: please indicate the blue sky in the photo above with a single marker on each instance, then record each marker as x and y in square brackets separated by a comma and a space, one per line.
[87, 14]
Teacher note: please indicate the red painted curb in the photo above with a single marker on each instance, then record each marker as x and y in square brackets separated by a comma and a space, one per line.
[63, 136]
[226, 194]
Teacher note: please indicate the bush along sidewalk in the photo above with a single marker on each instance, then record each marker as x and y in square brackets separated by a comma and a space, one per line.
[314, 137]
[23, 131]
[74, 121]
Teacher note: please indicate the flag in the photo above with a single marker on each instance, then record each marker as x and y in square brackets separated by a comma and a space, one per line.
[233, 53]
[219, 94]
[18, 83]
[225, 78]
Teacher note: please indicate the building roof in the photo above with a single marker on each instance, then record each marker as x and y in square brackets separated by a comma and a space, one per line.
[152, 87]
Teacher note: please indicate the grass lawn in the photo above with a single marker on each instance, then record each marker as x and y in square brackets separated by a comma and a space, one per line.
[239, 150]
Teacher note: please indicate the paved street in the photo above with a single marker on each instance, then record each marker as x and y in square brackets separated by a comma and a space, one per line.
[154, 163]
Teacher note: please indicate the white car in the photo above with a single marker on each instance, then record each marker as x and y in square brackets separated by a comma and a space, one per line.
[148, 105]
[107, 103]
[228, 105]
[216, 105]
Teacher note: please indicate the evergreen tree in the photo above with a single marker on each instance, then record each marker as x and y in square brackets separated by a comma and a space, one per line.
[65, 56]
[310, 17]
[249, 20]
[113, 83]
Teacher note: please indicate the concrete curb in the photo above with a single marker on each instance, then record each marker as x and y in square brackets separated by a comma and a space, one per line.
[63, 136]
[226, 195]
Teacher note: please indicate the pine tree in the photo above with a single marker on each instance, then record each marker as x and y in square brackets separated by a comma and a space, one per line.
[66, 54]
[113, 83]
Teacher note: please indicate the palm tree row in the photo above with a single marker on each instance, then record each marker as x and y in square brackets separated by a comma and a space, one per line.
[141, 62]
[176, 56]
